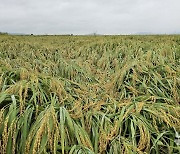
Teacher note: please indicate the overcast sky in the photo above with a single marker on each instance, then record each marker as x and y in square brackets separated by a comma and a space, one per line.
[88, 16]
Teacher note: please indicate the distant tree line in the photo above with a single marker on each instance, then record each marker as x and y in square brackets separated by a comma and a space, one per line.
[3, 33]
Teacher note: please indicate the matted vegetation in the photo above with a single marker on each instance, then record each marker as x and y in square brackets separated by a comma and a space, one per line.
[89, 95]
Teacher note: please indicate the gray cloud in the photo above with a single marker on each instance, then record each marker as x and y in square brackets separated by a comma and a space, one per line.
[87, 16]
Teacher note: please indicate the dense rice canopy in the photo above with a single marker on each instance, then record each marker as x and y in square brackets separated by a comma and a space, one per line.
[89, 94]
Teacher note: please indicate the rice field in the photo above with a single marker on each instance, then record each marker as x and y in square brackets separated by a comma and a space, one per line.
[89, 94]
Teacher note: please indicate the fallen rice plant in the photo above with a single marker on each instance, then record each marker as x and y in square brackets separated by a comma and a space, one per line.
[89, 95]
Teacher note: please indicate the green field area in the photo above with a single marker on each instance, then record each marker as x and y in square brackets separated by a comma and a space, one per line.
[89, 94]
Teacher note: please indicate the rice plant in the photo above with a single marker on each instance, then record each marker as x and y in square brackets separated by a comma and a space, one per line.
[89, 94]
